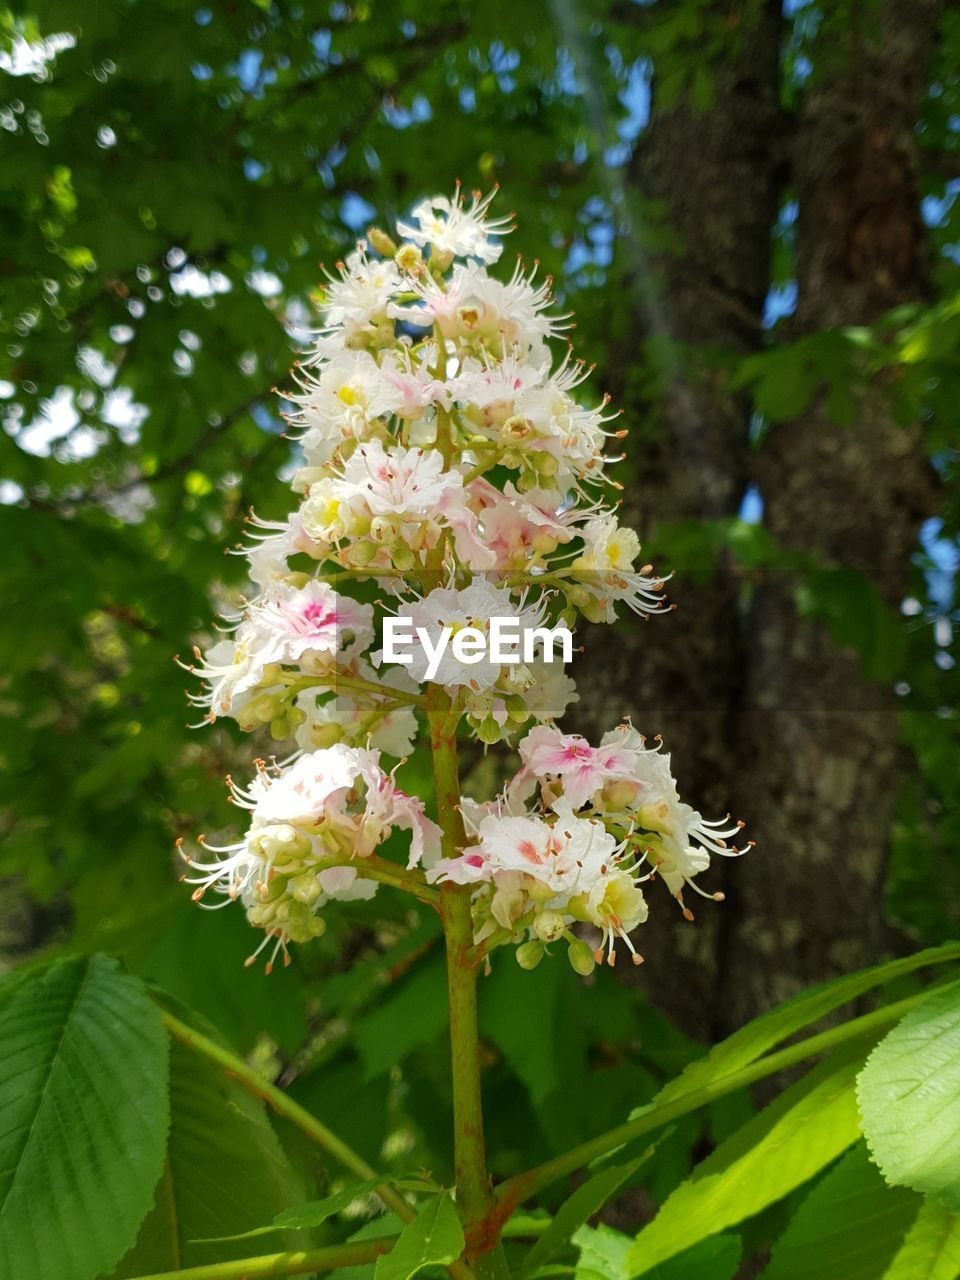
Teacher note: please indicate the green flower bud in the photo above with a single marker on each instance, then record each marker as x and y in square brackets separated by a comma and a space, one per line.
[306, 888]
[402, 556]
[279, 728]
[361, 553]
[489, 731]
[529, 955]
[594, 611]
[516, 708]
[325, 735]
[581, 958]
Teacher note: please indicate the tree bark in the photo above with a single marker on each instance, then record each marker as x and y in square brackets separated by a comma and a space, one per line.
[718, 175]
[817, 742]
[761, 711]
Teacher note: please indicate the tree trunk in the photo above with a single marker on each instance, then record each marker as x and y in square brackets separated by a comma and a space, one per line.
[718, 175]
[817, 751]
[764, 714]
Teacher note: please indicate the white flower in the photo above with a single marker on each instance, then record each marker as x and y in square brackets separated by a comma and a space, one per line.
[274, 542]
[342, 403]
[483, 314]
[677, 840]
[234, 672]
[291, 623]
[414, 386]
[453, 231]
[550, 691]
[444, 612]
[332, 804]
[582, 770]
[360, 296]
[396, 482]
[604, 569]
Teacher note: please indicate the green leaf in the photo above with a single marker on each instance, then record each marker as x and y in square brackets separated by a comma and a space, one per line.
[931, 1250]
[225, 1172]
[509, 994]
[434, 1237]
[747, 1044]
[411, 1016]
[909, 1096]
[588, 1199]
[83, 1093]
[604, 1252]
[849, 1225]
[778, 1150]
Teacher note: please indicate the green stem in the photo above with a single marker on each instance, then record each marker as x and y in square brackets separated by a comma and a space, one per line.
[523, 1185]
[285, 1106]
[374, 868]
[388, 692]
[284, 1264]
[475, 1199]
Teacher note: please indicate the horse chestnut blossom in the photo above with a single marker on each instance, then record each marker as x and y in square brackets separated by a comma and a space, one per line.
[450, 471]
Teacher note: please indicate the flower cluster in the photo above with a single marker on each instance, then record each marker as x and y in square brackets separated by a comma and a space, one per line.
[450, 471]
[309, 823]
[576, 833]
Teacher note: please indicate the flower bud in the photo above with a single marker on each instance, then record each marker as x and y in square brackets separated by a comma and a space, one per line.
[306, 888]
[409, 259]
[279, 728]
[549, 926]
[384, 244]
[594, 611]
[402, 556]
[516, 708]
[489, 731]
[529, 954]
[325, 735]
[515, 430]
[545, 463]
[362, 553]
[621, 793]
[581, 958]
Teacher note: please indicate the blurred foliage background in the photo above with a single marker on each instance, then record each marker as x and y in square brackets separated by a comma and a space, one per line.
[751, 209]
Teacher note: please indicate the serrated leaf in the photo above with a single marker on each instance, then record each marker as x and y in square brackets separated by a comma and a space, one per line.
[763, 1033]
[225, 1172]
[849, 1225]
[931, 1250]
[434, 1237]
[909, 1097]
[779, 1149]
[588, 1199]
[604, 1253]
[83, 1095]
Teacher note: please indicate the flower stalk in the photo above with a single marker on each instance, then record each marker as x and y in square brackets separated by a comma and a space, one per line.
[474, 1191]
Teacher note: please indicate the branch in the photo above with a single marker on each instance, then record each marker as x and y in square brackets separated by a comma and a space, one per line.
[284, 1264]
